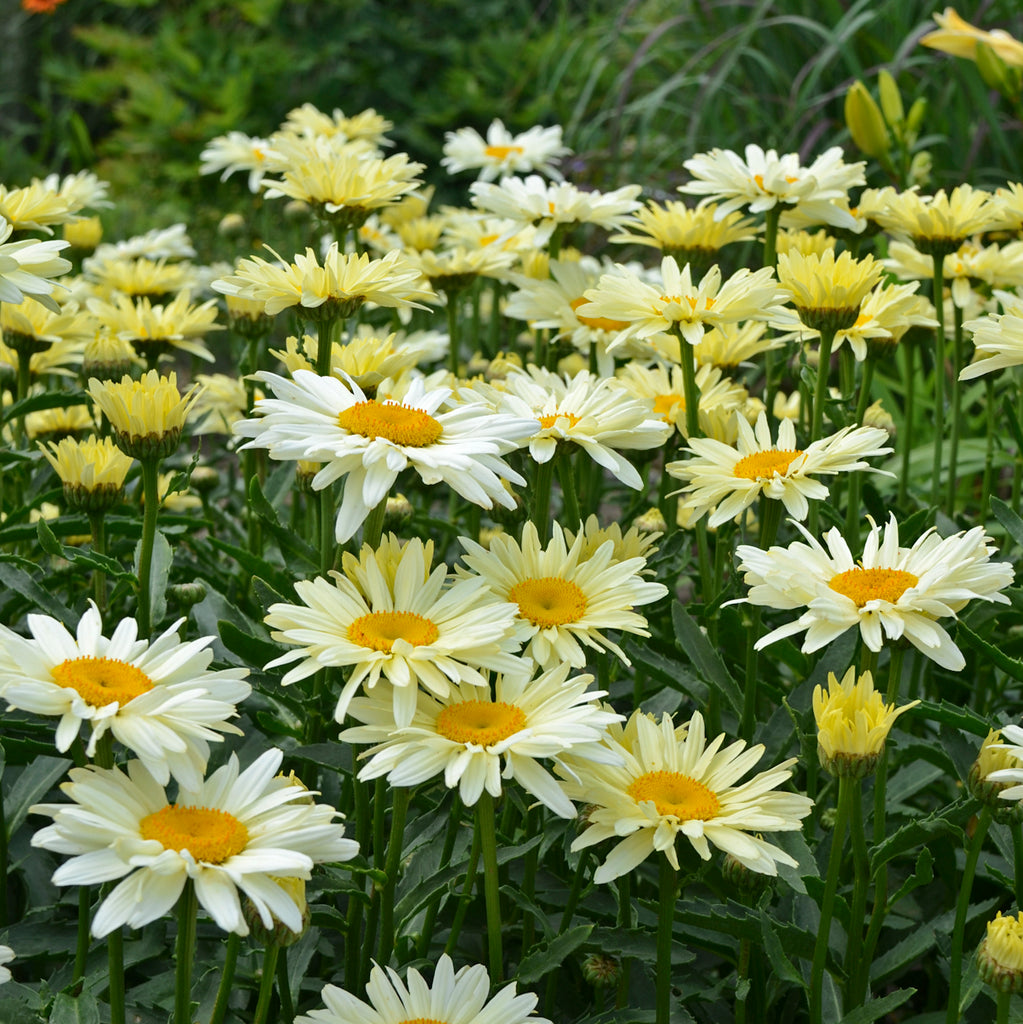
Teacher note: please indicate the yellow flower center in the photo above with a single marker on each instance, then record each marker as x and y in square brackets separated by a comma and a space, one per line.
[102, 681]
[502, 152]
[863, 585]
[480, 722]
[759, 179]
[549, 601]
[598, 323]
[548, 421]
[676, 795]
[379, 630]
[208, 834]
[763, 465]
[663, 404]
[690, 300]
[410, 428]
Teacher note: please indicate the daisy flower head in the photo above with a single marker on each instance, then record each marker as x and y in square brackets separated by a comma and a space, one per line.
[670, 780]
[565, 602]
[596, 414]
[147, 415]
[827, 291]
[724, 480]
[502, 153]
[475, 738]
[677, 305]
[398, 619]
[958, 37]
[6, 956]
[157, 698]
[550, 206]
[762, 180]
[367, 125]
[997, 337]
[233, 830]
[853, 723]
[1000, 955]
[336, 289]
[237, 151]
[891, 592]
[27, 268]
[886, 314]
[370, 441]
[170, 243]
[455, 997]
[998, 769]
[937, 225]
[92, 471]
[639, 541]
[37, 206]
[159, 279]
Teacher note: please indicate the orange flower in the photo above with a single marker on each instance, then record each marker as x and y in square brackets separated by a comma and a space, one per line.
[41, 6]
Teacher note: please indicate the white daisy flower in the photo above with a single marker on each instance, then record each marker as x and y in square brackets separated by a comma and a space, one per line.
[725, 480]
[370, 441]
[468, 735]
[397, 619]
[455, 997]
[26, 268]
[237, 151]
[501, 152]
[566, 601]
[6, 956]
[998, 338]
[158, 699]
[890, 593]
[672, 781]
[236, 830]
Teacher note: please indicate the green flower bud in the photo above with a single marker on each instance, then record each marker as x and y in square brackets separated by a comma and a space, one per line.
[865, 122]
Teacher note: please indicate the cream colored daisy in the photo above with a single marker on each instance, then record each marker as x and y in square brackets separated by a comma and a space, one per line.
[502, 153]
[369, 441]
[724, 481]
[675, 303]
[827, 291]
[548, 206]
[222, 401]
[367, 359]
[171, 243]
[147, 415]
[404, 622]
[853, 723]
[27, 268]
[998, 338]
[337, 288]
[237, 151]
[731, 345]
[891, 592]
[763, 180]
[1000, 954]
[469, 736]
[454, 269]
[937, 225]
[817, 243]
[59, 423]
[366, 125]
[157, 699]
[672, 781]
[565, 602]
[234, 830]
[639, 541]
[92, 471]
[455, 997]
[6, 956]
[36, 207]
[138, 276]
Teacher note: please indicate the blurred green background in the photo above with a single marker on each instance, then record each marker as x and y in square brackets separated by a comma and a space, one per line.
[134, 88]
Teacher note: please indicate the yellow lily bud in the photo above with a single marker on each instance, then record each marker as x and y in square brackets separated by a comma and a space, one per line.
[891, 99]
[865, 122]
[916, 115]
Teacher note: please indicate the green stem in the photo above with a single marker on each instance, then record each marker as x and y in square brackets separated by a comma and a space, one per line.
[624, 886]
[104, 758]
[665, 921]
[821, 390]
[1002, 1011]
[857, 910]
[575, 891]
[690, 389]
[450, 833]
[1016, 829]
[741, 974]
[953, 450]
[470, 881]
[373, 527]
[224, 989]
[820, 949]
[353, 918]
[939, 378]
[151, 509]
[846, 372]
[494, 324]
[866, 380]
[266, 984]
[1017, 464]
[284, 987]
[452, 315]
[391, 865]
[97, 528]
[491, 884]
[82, 942]
[989, 447]
[184, 953]
[327, 334]
[570, 515]
[24, 380]
[328, 544]
[771, 219]
[541, 498]
[909, 386]
[962, 906]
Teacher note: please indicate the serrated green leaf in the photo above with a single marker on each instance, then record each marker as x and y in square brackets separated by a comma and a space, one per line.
[878, 1008]
[82, 1009]
[947, 822]
[78, 556]
[1010, 666]
[159, 575]
[549, 956]
[31, 786]
[22, 583]
[254, 565]
[954, 715]
[44, 400]
[290, 543]
[780, 963]
[922, 874]
[253, 650]
[1008, 518]
[701, 652]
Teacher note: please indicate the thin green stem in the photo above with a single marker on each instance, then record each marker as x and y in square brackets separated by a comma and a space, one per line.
[184, 953]
[846, 372]
[575, 891]
[691, 390]
[1002, 1010]
[953, 449]
[284, 987]
[771, 219]
[226, 986]
[470, 881]
[857, 910]
[453, 338]
[399, 809]
[1017, 463]
[989, 447]
[820, 949]
[328, 543]
[266, 984]
[491, 884]
[624, 885]
[540, 512]
[1016, 829]
[866, 380]
[821, 390]
[328, 333]
[570, 514]
[104, 758]
[82, 941]
[906, 440]
[741, 974]
[939, 378]
[665, 922]
[150, 511]
[450, 833]
[353, 917]
[97, 527]
[962, 905]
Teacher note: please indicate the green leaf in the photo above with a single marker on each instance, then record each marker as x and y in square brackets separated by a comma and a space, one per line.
[954, 715]
[1011, 666]
[704, 656]
[947, 822]
[78, 556]
[922, 875]
[878, 1008]
[83, 1009]
[549, 956]
[290, 543]
[159, 574]
[780, 963]
[255, 566]
[46, 400]
[253, 650]
[22, 583]
[1008, 518]
[33, 783]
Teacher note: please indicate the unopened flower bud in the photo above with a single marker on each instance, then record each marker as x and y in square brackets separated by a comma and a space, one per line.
[1000, 956]
[280, 934]
[601, 970]
[865, 121]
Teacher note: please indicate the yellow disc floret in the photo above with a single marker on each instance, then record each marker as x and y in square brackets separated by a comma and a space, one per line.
[102, 681]
[209, 835]
[549, 601]
[410, 428]
[862, 585]
[379, 630]
[480, 722]
[675, 795]
[764, 465]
